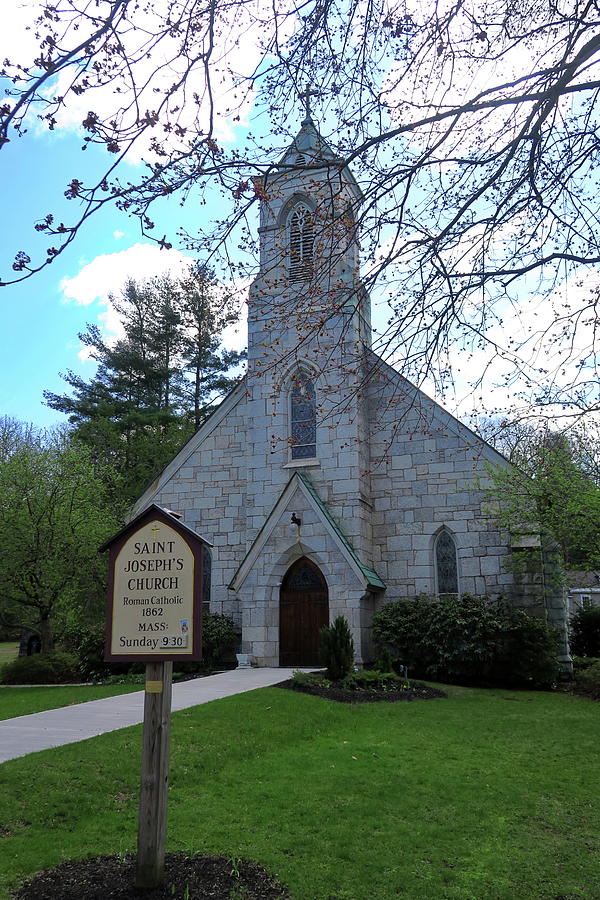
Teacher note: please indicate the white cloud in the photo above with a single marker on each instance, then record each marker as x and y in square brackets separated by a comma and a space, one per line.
[106, 275]
[118, 235]
[17, 35]
[159, 63]
[108, 272]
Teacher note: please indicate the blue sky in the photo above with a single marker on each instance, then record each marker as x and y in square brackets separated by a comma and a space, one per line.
[43, 315]
[38, 339]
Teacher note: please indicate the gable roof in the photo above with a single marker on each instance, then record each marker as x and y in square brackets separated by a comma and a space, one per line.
[379, 367]
[365, 574]
[208, 426]
[146, 515]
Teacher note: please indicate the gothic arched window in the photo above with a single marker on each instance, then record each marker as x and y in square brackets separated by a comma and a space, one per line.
[303, 417]
[446, 565]
[301, 237]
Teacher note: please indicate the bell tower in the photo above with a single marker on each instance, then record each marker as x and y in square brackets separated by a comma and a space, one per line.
[308, 286]
[308, 335]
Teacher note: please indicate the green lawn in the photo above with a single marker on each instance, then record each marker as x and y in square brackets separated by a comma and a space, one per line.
[489, 795]
[8, 651]
[21, 701]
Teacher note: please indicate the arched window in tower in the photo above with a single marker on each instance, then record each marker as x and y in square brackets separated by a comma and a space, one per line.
[303, 417]
[301, 238]
[446, 565]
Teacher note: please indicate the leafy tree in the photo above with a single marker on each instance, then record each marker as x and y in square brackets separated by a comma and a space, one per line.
[472, 128]
[14, 434]
[156, 385]
[550, 487]
[584, 637]
[55, 511]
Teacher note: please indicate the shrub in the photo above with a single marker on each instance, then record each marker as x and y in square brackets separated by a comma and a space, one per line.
[337, 649]
[468, 640]
[585, 631]
[527, 650]
[86, 642]
[373, 680]
[310, 679]
[127, 678]
[588, 680]
[218, 639]
[43, 668]
[583, 662]
[385, 660]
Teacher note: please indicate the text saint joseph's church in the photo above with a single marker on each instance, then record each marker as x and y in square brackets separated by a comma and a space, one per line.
[326, 483]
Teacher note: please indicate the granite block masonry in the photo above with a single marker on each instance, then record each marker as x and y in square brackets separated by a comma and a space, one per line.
[326, 482]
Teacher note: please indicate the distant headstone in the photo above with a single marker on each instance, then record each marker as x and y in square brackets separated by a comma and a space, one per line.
[30, 644]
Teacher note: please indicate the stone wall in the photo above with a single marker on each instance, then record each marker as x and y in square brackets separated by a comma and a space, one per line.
[206, 483]
[426, 469]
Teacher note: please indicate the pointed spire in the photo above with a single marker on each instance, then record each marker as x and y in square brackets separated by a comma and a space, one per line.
[308, 147]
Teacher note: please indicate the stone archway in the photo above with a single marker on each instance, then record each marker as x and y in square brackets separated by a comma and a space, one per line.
[303, 611]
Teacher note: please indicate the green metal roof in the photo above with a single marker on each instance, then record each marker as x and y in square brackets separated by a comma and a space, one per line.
[373, 579]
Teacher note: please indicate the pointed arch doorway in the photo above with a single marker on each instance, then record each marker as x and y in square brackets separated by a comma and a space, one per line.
[303, 611]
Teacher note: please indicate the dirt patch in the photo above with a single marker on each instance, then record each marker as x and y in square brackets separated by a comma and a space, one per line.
[417, 691]
[186, 878]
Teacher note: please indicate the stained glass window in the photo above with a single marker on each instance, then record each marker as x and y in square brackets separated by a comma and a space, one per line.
[446, 565]
[303, 436]
[301, 242]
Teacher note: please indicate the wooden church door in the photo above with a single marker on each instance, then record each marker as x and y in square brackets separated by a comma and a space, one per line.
[303, 611]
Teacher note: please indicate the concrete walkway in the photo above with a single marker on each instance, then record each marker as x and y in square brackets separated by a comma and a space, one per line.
[55, 727]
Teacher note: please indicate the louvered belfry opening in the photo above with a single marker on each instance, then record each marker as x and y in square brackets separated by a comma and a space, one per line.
[301, 244]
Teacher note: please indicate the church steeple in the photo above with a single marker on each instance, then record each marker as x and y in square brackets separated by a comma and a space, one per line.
[308, 219]
[310, 145]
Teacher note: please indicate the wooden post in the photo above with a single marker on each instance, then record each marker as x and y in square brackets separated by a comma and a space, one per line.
[155, 775]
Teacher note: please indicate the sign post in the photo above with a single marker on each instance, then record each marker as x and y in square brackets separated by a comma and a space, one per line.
[154, 615]
[154, 780]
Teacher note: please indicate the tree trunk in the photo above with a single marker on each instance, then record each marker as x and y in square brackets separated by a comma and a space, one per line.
[46, 635]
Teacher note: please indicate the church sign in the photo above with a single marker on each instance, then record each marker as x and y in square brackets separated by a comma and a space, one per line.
[154, 613]
[155, 578]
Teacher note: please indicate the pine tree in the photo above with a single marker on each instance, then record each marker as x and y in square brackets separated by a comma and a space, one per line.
[207, 310]
[154, 386]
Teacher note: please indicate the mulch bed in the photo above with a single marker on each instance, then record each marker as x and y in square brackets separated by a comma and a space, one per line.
[186, 878]
[417, 691]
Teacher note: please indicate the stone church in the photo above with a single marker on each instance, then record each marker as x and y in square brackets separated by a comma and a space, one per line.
[325, 482]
